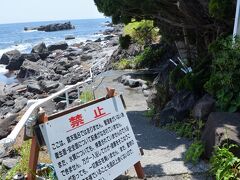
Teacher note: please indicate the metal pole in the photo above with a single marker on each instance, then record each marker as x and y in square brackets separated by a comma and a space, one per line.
[236, 30]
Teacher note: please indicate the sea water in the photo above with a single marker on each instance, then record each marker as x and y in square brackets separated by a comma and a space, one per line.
[13, 36]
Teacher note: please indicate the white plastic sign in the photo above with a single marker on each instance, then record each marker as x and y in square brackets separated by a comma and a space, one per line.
[96, 142]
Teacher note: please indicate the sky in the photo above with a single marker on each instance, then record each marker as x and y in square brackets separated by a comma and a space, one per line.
[15, 11]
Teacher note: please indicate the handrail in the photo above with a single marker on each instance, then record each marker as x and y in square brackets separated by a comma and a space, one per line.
[11, 138]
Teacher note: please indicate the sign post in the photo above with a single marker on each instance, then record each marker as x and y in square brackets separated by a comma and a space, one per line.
[35, 148]
[93, 141]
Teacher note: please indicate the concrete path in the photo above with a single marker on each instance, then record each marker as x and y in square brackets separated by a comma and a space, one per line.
[163, 151]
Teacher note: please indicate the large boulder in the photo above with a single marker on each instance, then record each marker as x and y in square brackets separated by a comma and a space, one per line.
[28, 69]
[20, 103]
[92, 46]
[48, 85]
[58, 46]
[34, 87]
[86, 57]
[178, 108]
[9, 56]
[204, 107]
[221, 128]
[41, 50]
[6, 123]
[15, 60]
[34, 57]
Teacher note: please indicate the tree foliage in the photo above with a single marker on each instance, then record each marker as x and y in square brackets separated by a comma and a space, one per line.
[177, 19]
[143, 32]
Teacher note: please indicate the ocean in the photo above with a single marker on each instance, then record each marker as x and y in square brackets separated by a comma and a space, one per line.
[13, 36]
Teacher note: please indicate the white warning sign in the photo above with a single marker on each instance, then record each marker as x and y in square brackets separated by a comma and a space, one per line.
[96, 142]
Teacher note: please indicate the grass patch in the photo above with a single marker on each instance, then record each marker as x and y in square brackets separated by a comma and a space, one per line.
[86, 96]
[124, 64]
[150, 112]
[22, 165]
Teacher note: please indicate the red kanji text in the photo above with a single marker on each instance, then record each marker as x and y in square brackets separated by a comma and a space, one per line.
[76, 121]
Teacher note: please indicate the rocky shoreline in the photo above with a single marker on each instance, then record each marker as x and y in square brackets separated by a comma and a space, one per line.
[47, 69]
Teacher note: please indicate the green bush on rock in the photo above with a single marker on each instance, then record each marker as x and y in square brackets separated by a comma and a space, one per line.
[143, 32]
[148, 58]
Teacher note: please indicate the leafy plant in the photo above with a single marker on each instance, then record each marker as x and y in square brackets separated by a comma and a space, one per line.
[124, 41]
[190, 129]
[224, 165]
[194, 152]
[223, 82]
[143, 32]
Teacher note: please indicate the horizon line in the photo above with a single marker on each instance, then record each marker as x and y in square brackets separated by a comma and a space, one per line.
[105, 17]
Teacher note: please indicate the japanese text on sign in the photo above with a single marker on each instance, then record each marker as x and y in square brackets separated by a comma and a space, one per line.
[96, 142]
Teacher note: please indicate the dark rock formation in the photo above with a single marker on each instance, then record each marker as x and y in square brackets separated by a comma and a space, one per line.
[34, 88]
[34, 57]
[28, 69]
[221, 128]
[204, 107]
[52, 27]
[178, 108]
[69, 37]
[12, 56]
[14, 60]
[57, 46]
[6, 123]
[41, 50]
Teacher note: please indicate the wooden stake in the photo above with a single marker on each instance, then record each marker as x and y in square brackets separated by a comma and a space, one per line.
[139, 170]
[110, 92]
[34, 153]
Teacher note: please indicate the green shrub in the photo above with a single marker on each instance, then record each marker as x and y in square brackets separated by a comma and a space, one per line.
[221, 9]
[124, 64]
[143, 32]
[224, 165]
[194, 152]
[192, 81]
[149, 57]
[124, 41]
[225, 74]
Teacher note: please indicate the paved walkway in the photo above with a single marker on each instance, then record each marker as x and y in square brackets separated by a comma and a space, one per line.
[163, 151]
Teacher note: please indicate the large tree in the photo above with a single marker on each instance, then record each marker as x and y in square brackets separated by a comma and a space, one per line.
[197, 22]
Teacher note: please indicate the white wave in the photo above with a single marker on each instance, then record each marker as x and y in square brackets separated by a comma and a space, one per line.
[3, 69]
[21, 47]
[29, 31]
